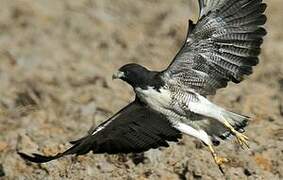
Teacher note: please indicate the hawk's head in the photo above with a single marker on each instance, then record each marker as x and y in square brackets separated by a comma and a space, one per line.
[136, 75]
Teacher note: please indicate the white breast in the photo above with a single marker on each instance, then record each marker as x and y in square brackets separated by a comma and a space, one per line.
[155, 99]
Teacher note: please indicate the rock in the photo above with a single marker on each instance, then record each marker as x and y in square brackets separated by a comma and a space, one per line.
[88, 109]
[281, 109]
[3, 146]
[263, 162]
[280, 82]
[247, 172]
[138, 158]
[2, 173]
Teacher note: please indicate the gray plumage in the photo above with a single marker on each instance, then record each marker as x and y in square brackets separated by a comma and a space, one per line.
[223, 45]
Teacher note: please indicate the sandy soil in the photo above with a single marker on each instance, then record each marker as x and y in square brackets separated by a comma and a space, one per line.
[56, 63]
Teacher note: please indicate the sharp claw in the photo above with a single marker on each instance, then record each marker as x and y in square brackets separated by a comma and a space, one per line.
[218, 160]
[242, 140]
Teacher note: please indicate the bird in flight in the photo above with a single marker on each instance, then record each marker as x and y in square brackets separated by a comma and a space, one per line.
[222, 46]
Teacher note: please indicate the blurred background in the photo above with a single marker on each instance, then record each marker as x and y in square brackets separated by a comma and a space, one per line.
[56, 63]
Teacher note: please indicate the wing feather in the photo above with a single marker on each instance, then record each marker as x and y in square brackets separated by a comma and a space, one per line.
[223, 46]
[136, 128]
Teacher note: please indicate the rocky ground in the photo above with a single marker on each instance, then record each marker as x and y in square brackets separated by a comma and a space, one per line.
[56, 63]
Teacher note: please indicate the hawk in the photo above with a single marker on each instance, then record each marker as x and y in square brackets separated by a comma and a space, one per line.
[222, 46]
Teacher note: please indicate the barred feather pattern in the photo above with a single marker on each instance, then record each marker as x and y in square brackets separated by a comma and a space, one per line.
[222, 46]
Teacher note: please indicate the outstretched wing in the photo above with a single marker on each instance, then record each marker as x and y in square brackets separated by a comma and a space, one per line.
[136, 128]
[223, 45]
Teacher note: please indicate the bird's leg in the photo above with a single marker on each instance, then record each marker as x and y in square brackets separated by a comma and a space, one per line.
[203, 136]
[218, 160]
[241, 138]
[206, 108]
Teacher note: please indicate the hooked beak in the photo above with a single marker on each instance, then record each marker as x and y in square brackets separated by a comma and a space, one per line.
[118, 75]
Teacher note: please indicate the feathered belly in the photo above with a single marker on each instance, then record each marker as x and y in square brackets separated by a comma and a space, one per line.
[156, 99]
[161, 100]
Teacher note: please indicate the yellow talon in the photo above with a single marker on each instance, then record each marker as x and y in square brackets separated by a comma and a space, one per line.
[242, 139]
[218, 160]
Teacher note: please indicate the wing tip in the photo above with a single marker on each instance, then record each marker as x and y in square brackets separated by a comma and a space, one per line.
[78, 148]
[36, 158]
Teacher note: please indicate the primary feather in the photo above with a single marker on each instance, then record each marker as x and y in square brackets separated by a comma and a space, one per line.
[136, 128]
[222, 46]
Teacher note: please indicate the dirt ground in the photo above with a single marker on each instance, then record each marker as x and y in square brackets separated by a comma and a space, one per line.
[56, 63]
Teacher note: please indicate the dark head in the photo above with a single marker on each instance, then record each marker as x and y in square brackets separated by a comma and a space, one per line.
[137, 76]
